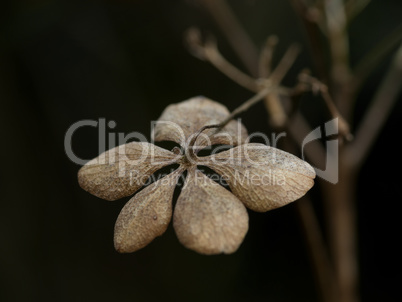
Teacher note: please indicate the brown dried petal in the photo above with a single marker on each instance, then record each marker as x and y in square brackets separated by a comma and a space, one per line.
[208, 218]
[179, 121]
[262, 177]
[121, 171]
[146, 215]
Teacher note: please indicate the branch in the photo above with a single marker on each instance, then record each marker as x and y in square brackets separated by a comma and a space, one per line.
[315, 150]
[265, 60]
[372, 59]
[317, 86]
[209, 52]
[354, 7]
[298, 129]
[275, 109]
[319, 256]
[321, 263]
[242, 108]
[339, 49]
[278, 116]
[378, 112]
[285, 64]
[235, 33]
[314, 38]
[246, 105]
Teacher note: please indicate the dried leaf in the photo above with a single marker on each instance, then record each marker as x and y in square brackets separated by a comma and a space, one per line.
[121, 171]
[208, 218]
[179, 121]
[146, 216]
[262, 177]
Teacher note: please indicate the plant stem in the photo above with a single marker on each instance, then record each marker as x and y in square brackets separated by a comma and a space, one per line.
[371, 60]
[242, 108]
[285, 63]
[235, 33]
[318, 253]
[338, 38]
[377, 113]
[341, 220]
[314, 37]
[265, 59]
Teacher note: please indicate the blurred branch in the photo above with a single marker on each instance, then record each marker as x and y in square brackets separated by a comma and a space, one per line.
[285, 63]
[314, 38]
[328, 17]
[297, 126]
[247, 52]
[372, 59]
[319, 256]
[338, 43]
[318, 253]
[234, 32]
[318, 86]
[354, 7]
[378, 112]
[265, 59]
[209, 52]
[277, 115]
[246, 105]
[298, 129]
[242, 108]
[341, 220]
[272, 102]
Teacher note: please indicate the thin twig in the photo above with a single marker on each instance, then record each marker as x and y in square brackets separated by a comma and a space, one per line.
[298, 128]
[265, 60]
[319, 256]
[209, 52]
[278, 116]
[242, 108]
[314, 37]
[227, 68]
[317, 249]
[246, 105]
[372, 59]
[380, 108]
[318, 86]
[286, 62]
[354, 7]
[315, 14]
[341, 219]
[235, 33]
[339, 46]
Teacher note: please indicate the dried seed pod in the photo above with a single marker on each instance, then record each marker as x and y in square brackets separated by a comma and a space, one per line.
[121, 171]
[146, 216]
[262, 177]
[179, 121]
[208, 218]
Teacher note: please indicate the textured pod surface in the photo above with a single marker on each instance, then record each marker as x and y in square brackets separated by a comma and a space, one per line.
[208, 218]
[262, 177]
[179, 121]
[121, 171]
[146, 216]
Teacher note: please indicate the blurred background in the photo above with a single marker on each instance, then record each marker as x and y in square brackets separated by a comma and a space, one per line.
[64, 61]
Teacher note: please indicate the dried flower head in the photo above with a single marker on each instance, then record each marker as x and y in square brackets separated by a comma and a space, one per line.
[207, 217]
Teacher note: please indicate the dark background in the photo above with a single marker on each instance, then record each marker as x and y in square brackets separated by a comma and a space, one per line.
[64, 61]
